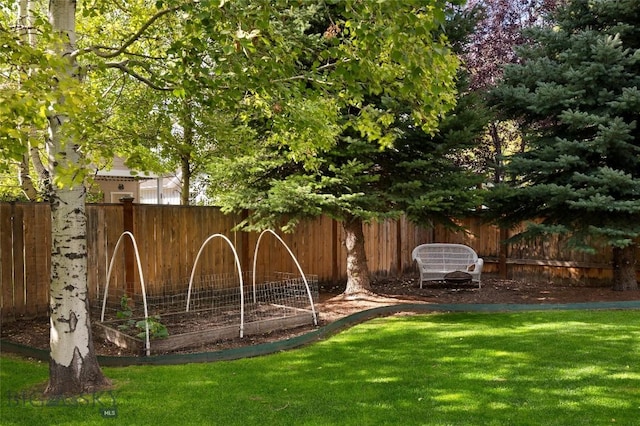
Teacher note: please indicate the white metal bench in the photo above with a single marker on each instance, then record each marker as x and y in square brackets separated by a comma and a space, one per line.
[437, 260]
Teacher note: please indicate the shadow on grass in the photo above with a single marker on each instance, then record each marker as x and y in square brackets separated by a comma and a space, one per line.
[552, 368]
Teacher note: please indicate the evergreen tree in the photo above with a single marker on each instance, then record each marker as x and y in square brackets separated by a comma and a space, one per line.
[371, 171]
[577, 89]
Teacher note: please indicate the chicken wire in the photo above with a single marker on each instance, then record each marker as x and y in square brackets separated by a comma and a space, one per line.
[217, 298]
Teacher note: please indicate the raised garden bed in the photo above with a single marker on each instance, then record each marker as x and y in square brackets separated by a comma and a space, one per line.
[201, 334]
[277, 304]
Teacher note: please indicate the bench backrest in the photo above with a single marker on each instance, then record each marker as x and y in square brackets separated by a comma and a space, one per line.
[444, 256]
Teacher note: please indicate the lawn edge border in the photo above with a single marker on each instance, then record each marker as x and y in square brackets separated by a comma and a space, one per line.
[320, 333]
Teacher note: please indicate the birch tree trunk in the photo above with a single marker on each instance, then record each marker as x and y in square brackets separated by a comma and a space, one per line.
[73, 367]
[26, 30]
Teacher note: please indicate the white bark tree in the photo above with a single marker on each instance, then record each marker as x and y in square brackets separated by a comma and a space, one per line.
[73, 365]
[25, 29]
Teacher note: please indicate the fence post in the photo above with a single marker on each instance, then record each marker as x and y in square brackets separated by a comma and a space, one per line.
[129, 264]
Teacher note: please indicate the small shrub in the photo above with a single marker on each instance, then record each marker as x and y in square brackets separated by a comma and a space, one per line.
[157, 330]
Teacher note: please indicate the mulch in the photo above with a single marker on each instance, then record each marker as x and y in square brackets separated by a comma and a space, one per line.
[386, 291]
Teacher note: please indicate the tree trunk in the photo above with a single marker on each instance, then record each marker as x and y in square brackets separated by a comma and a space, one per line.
[498, 174]
[185, 166]
[358, 281]
[624, 268]
[24, 177]
[25, 28]
[186, 150]
[41, 171]
[73, 367]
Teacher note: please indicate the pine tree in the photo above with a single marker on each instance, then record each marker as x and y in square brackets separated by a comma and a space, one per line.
[381, 164]
[577, 89]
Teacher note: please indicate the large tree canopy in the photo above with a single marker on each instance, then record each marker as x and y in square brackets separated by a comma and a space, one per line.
[85, 79]
[577, 89]
[380, 157]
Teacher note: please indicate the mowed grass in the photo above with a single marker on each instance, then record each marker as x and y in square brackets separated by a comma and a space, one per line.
[536, 368]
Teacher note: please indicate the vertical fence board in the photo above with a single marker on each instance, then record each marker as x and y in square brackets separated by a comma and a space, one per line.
[190, 230]
[143, 233]
[29, 243]
[19, 291]
[114, 228]
[184, 224]
[323, 243]
[174, 245]
[37, 280]
[154, 252]
[6, 262]
[405, 234]
[93, 236]
[169, 238]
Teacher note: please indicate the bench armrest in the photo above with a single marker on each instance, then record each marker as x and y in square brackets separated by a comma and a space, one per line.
[476, 266]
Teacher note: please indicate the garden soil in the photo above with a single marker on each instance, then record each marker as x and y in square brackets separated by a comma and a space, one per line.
[386, 291]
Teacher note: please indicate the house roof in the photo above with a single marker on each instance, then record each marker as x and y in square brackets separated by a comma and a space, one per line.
[119, 171]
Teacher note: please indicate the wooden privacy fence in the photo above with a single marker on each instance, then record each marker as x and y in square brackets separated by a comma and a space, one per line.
[169, 238]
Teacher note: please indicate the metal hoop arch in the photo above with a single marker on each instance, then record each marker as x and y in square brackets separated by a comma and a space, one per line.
[304, 278]
[235, 255]
[144, 292]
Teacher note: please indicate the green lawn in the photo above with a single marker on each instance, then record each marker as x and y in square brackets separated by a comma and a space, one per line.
[539, 368]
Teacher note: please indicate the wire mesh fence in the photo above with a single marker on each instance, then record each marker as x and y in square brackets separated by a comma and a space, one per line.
[215, 300]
